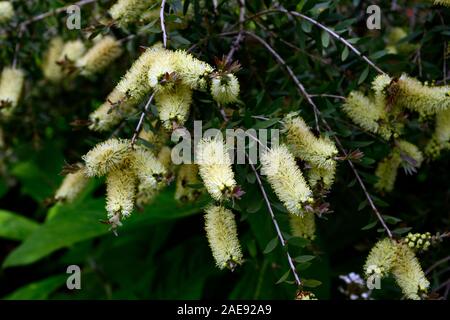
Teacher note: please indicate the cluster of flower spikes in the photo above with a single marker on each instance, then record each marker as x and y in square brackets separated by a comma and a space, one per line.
[171, 76]
[133, 175]
[382, 114]
[214, 166]
[6, 11]
[286, 178]
[396, 258]
[71, 58]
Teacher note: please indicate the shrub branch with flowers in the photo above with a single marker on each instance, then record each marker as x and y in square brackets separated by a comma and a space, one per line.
[320, 215]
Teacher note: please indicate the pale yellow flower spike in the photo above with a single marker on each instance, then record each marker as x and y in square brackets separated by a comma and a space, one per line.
[111, 112]
[11, 84]
[221, 230]
[381, 258]
[225, 89]
[365, 113]
[215, 168]
[129, 11]
[148, 168]
[411, 151]
[442, 2]
[120, 193]
[303, 226]
[50, 68]
[107, 156]
[408, 273]
[192, 72]
[426, 100]
[441, 136]
[72, 50]
[187, 175]
[387, 172]
[100, 56]
[72, 185]
[324, 175]
[6, 11]
[286, 178]
[318, 152]
[173, 106]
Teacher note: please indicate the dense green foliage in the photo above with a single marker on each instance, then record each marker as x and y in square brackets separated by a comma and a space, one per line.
[161, 252]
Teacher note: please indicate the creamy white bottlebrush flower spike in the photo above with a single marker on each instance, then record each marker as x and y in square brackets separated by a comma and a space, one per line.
[441, 136]
[215, 168]
[391, 257]
[6, 11]
[127, 94]
[101, 55]
[426, 100]
[129, 11]
[225, 88]
[173, 106]
[120, 193]
[72, 50]
[106, 156]
[286, 178]
[72, 185]
[303, 226]
[11, 84]
[50, 68]
[221, 230]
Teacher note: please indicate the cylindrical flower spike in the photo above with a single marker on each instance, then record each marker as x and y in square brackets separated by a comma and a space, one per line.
[173, 106]
[323, 177]
[221, 230]
[442, 2]
[120, 193]
[192, 72]
[225, 88]
[408, 273]
[11, 84]
[101, 55]
[303, 226]
[441, 136]
[317, 151]
[410, 154]
[129, 11]
[381, 258]
[6, 11]
[386, 172]
[50, 68]
[411, 94]
[72, 51]
[286, 178]
[215, 168]
[72, 185]
[149, 170]
[187, 178]
[107, 156]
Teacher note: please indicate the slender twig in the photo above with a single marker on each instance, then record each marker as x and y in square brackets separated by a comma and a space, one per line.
[324, 95]
[163, 26]
[442, 285]
[277, 227]
[323, 27]
[436, 264]
[317, 113]
[54, 12]
[299, 85]
[17, 48]
[141, 119]
[240, 36]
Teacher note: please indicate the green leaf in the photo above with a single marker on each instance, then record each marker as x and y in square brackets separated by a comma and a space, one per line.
[74, 223]
[311, 283]
[363, 75]
[306, 26]
[265, 124]
[400, 231]
[271, 245]
[391, 219]
[325, 39]
[284, 277]
[344, 54]
[303, 259]
[14, 226]
[39, 290]
[370, 225]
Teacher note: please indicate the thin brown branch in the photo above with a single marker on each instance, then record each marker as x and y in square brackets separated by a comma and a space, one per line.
[163, 26]
[240, 36]
[324, 95]
[436, 264]
[318, 115]
[277, 227]
[141, 119]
